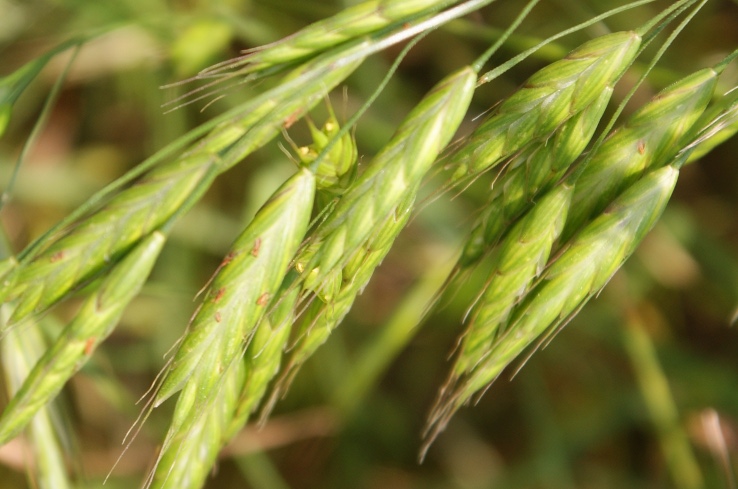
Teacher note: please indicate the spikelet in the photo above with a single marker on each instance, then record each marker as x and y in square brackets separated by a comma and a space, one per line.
[584, 267]
[353, 22]
[207, 366]
[520, 259]
[189, 454]
[550, 97]
[534, 171]
[323, 316]
[649, 139]
[92, 324]
[163, 193]
[397, 169]
[242, 288]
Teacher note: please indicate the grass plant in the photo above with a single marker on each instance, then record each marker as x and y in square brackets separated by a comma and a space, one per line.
[554, 202]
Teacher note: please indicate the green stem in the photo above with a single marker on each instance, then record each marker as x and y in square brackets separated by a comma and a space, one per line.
[492, 74]
[662, 410]
[482, 60]
[45, 111]
[659, 21]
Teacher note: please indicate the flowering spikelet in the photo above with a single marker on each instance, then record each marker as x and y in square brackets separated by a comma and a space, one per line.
[397, 169]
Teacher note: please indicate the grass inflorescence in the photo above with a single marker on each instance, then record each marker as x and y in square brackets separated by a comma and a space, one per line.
[569, 201]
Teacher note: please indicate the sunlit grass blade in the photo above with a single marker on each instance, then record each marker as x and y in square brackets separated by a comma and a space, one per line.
[14, 84]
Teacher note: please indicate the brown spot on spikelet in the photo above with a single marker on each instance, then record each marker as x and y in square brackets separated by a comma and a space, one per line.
[257, 247]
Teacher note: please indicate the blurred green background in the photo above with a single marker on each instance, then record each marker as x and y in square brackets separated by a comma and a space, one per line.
[652, 361]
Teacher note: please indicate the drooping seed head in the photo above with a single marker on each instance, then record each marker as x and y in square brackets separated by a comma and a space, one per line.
[397, 169]
[221, 327]
[94, 322]
[331, 174]
[585, 265]
[535, 170]
[547, 100]
[649, 139]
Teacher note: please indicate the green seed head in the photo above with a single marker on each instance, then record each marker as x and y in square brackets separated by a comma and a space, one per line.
[242, 287]
[93, 323]
[533, 171]
[651, 138]
[583, 267]
[550, 97]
